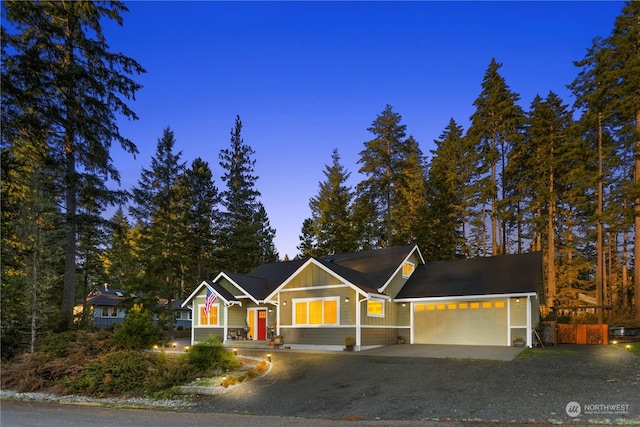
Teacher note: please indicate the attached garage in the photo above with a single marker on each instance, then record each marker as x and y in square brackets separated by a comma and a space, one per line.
[461, 322]
[480, 301]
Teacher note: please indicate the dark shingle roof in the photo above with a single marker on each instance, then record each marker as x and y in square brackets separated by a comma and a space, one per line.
[502, 274]
[375, 265]
[221, 291]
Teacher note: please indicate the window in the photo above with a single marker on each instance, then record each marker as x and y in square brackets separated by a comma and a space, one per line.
[486, 305]
[318, 311]
[211, 319]
[375, 308]
[407, 269]
[109, 312]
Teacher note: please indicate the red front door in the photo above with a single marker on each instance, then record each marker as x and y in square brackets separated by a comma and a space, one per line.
[262, 325]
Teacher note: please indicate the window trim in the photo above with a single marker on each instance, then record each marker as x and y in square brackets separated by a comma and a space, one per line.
[381, 301]
[306, 301]
[413, 268]
[200, 313]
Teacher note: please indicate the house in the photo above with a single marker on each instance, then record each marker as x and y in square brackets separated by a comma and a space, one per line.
[374, 296]
[108, 308]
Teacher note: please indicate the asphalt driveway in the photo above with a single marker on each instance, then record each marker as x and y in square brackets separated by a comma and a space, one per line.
[537, 386]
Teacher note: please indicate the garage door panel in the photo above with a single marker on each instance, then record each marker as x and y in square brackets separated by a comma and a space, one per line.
[479, 323]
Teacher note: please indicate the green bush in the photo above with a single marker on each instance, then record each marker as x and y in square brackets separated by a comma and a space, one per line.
[112, 374]
[137, 331]
[210, 355]
[166, 373]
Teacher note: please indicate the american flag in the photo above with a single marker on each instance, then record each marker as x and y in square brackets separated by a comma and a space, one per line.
[211, 297]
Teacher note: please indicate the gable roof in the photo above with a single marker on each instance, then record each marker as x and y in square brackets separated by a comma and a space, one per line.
[377, 265]
[221, 292]
[503, 274]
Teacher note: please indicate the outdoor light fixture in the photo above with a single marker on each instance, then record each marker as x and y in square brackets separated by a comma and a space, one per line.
[186, 348]
[235, 351]
[269, 357]
[517, 299]
[614, 342]
[284, 303]
[404, 304]
[175, 345]
[628, 347]
[155, 347]
[346, 299]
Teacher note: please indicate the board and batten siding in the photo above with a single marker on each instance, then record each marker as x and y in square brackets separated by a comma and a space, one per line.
[378, 336]
[312, 275]
[200, 334]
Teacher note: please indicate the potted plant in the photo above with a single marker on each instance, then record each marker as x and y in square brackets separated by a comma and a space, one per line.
[518, 342]
[401, 339]
[349, 342]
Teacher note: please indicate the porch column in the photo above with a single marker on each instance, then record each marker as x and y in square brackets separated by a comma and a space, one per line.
[529, 326]
[225, 330]
[358, 334]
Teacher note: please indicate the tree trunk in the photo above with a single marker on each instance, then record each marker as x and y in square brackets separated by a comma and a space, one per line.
[599, 234]
[636, 238]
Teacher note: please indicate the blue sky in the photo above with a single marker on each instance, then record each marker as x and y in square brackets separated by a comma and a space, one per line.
[308, 77]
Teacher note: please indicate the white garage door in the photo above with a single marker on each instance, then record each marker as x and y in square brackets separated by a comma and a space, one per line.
[461, 322]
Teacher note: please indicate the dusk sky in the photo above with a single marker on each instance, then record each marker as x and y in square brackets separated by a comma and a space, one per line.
[308, 77]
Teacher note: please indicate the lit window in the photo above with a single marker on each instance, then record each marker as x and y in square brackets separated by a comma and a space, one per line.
[114, 312]
[475, 305]
[451, 306]
[407, 269]
[431, 307]
[104, 312]
[375, 308]
[463, 306]
[320, 311]
[440, 306]
[486, 305]
[499, 304]
[420, 307]
[210, 319]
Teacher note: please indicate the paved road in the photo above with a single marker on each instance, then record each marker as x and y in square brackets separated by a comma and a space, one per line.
[27, 414]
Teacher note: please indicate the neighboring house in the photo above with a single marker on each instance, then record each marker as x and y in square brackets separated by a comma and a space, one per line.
[375, 296]
[106, 305]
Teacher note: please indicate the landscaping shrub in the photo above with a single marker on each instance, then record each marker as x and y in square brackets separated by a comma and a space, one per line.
[113, 374]
[210, 355]
[137, 330]
[166, 373]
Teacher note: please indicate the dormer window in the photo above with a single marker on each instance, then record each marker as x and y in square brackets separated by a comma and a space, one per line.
[407, 269]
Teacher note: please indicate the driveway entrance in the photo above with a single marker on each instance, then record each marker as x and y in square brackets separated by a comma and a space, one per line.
[443, 351]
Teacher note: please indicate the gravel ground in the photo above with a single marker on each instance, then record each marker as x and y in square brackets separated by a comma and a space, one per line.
[534, 388]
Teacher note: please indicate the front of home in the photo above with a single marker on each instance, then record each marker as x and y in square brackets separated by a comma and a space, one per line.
[377, 297]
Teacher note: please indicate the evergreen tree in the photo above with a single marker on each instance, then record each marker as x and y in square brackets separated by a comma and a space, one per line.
[607, 90]
[393, 166]
[495, 125]
[308, 246]
[330, 222]
[120, 255]
[244, 239]
[200, 199]
[449, 195]
[160, 214]
[59, 76]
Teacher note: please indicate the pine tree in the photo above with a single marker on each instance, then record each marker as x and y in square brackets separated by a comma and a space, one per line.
[244, 236]
[330, 222]
[495, 125]
[58, 75]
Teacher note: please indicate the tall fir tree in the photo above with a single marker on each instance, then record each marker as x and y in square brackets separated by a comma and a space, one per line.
[449, 195]
[495, 126]
[388, 197]
[159, 211]
[245, 237]
[330, 221]
[59, 75]
[607, 90]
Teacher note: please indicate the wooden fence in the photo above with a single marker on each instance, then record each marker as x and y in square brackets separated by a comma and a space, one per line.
[582, 334]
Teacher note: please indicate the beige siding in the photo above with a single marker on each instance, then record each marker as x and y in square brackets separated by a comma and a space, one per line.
[389, 319]
[198, 301]
[313, 275]
[518, 311]
[200, 334]
[379, 336]
[316, 336]
[396, 284]
[228, 286]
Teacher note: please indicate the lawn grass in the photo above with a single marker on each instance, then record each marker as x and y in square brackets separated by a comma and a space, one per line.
[632, 347]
